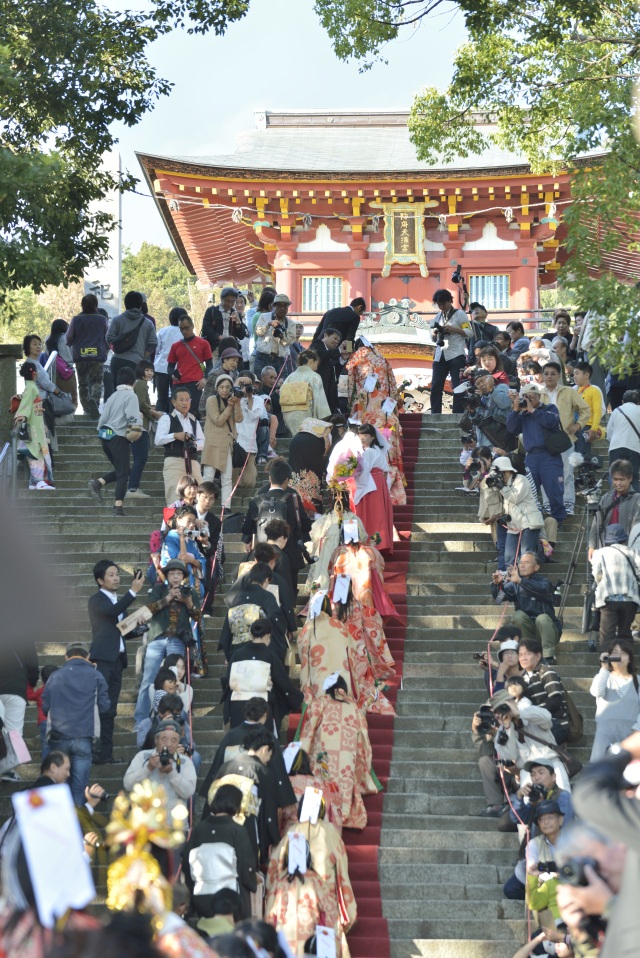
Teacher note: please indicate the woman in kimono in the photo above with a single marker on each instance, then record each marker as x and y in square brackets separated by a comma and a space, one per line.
[369, 489]
[316, 406]
[34, 444]
[298, 768]
[326, 645]
[328, 860]
[334, 724]
[366, 362]
[388, 425]
[307, 457]
[327, 533]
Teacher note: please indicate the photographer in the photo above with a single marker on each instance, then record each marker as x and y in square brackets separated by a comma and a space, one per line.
[497, 673]
[532, 596]
[174, 607]
[181, 435]
[491, 411]
[616, 691]
[620, 505]
[542, 787]
[539, 867]
[601, 799]
[482, 331]
[574, 415]
[490, 502]
[226, 365]
[254, 414]
[274, 335]
[223, 320]
[484, 728]
[616, 569]
[223, 412]
[180, 543]
[533, 420]
[452, 330]
[165, 766]
[523, 517]
[591, 870]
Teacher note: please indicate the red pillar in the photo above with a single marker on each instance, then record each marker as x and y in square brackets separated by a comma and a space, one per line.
[359, 285]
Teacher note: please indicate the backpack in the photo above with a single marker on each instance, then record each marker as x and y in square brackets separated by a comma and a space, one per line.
[269, 507]
[296, 397]
[127, 341]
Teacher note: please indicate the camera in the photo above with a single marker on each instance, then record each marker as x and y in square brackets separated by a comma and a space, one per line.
[437, 331]
[165, 757]
[611, 658]
[487, 719]
[538, 793]
[474, 468]
[495, 479]
[478, 656]
[139, 631]
[192, 534]
[505, 762]
[237, 391]
[572, 872]
[190, 443]
[185, 590]
[277, 331]
[502, 738]
[548, 867]
[457, 276]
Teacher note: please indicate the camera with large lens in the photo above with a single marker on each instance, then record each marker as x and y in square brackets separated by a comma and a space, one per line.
[185, 590]
[237, 391]
[537, 793]
[277, 331]
[457, 276]
[437, 332]
[487, 719]
[190, 443]
[495, 479]
[165, 757]
[474, 469]
[572, 872]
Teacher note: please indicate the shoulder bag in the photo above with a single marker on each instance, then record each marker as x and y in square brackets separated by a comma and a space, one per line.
[570, 762]
[127, 340]
[556, 441]
[199, 361]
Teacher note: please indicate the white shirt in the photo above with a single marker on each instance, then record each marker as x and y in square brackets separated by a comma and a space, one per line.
[553, 396]
[250, 418]
[620, 433]
[164, 436]
[167, 336]
[113, 596]
[455, 345]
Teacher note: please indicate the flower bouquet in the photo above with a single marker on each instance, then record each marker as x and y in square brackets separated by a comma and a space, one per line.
[346, 467]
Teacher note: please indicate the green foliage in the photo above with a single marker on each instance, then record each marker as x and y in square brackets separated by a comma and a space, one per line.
[157, 272]
[555, 78]
[27, 312]
[68, 71]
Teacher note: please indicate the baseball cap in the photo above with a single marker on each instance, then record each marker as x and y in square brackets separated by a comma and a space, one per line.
[530, 388]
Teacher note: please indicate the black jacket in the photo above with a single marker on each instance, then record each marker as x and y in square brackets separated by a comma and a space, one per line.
[283, 697]
[283, 582]
[18, 668]
[329, 358]
[214, 830]
[255, 595]
[233, 740]
[266, 821]
[297, 517]
[212, 327]
[344, 319]
[103, 617]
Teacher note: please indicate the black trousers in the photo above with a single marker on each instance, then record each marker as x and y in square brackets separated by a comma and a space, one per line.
[117, 364]
[112, 673]
[440, 370]
[616, 619]
[163, 384]
[117, 450]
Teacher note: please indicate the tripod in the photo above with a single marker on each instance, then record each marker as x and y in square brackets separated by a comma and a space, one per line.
[591, 512]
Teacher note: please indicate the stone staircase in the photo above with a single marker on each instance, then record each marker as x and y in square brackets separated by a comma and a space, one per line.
[69, 531]
[441, 866]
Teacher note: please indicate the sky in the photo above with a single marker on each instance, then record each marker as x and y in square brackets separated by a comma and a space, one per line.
[277, 58]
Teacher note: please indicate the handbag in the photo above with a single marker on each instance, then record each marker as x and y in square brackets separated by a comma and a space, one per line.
[63, 369]
[62, 404]
[17, 752]
[133, 432]
[106, 433]
[556, 441]
[238, 455]
[590, 615]
[572, 764]
[127, 340]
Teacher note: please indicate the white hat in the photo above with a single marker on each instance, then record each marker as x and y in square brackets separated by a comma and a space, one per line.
[530, 388]
[509, 645]
[504, 464]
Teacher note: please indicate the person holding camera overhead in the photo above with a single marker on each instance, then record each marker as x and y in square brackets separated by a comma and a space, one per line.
[175, 604]
[181, 435]
[452, 330]
[223, 411]
[617, 694]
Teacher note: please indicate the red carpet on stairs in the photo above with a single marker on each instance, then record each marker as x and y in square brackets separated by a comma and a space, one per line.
[370, 935]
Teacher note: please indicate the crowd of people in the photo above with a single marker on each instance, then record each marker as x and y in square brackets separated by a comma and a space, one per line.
[267, 847]
[267, 852]
[531, 409]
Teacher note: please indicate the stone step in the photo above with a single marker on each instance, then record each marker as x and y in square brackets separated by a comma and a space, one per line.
[450, 948]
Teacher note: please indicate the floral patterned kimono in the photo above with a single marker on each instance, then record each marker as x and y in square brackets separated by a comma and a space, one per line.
[367, 362]
[370, 601]
[329, 864]
[325, 536]
[325, 646]
[389, 425]
[339, 728]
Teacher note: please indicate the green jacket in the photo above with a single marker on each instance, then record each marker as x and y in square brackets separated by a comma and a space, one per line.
[173, 620]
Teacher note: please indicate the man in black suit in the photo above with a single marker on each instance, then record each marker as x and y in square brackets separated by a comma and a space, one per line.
[108, 650]
[329, 356]
[345, 319]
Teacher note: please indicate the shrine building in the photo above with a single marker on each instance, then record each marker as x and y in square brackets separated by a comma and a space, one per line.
[333, 205]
